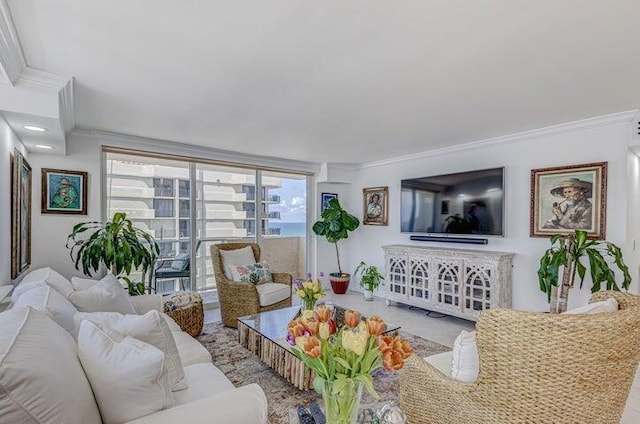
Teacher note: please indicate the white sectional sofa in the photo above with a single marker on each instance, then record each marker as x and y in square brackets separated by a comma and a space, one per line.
[31, 333]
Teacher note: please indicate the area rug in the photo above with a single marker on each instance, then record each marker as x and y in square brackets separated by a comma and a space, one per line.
[242, 368]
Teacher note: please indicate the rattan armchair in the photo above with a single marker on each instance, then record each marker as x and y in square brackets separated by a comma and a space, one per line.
[237, 298]
[535, 368]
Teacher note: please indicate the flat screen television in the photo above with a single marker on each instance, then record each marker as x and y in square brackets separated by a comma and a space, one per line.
[464, 203]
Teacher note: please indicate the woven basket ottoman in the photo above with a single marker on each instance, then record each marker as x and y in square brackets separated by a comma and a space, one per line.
[187, 311]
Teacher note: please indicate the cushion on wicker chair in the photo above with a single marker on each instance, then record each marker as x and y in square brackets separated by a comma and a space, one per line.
[270, 293]
[236, 257]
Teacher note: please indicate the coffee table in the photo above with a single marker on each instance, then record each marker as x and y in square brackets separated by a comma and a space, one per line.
[264, 335]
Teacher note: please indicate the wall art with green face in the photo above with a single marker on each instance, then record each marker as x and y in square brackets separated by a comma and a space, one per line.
[64, 192]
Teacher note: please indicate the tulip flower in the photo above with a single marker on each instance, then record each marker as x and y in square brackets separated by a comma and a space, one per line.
[356, 339]
[300, 293]
[322, 313]
[313, 326]
[312, 347]
[402, 346]
[352, 318]
[324, 330]
[392, 360]
[296, 328]
[385, 344]
[375, 325]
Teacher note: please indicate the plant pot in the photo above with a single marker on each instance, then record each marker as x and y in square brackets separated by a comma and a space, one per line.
[339, 282]
[368, 295]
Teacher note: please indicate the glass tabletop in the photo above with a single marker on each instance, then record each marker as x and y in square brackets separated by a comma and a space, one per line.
[273, 324]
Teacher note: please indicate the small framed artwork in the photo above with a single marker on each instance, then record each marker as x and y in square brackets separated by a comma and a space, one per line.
[325, 200]
[375, 205]
[64, 192]
[569, 198]
[20, 214]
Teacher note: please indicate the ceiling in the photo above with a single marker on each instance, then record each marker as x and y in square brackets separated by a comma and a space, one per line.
[335, 81]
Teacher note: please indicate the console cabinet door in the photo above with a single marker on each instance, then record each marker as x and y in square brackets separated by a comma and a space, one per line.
[479, 279]
[397, 273]
[448, 283]
[419, 286]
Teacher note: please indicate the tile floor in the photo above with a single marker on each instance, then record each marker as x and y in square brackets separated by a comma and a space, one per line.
[439, 328]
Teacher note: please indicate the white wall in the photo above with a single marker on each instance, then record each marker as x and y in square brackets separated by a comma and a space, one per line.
[602, 143]
[51, 230]
[8, 141]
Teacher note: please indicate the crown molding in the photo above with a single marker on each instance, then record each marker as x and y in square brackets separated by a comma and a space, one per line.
[619, 118]
[12, 62]
[154, 145]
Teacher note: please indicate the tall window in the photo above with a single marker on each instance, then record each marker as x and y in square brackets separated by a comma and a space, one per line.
[230, 203]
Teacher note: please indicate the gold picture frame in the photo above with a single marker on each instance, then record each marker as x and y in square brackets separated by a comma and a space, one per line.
[567, 198]
[21, 186]
[375, 210]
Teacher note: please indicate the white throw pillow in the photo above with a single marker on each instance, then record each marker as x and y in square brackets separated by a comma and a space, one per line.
[231, 258]
[609, 305]
[52, 303]
[41, 379]
[107, 295]
[83, 283]
[151, 328]
[49, 276]
[128, 376]
[465, 363]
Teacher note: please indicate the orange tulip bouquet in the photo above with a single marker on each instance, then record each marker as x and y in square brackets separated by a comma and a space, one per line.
[343, 357]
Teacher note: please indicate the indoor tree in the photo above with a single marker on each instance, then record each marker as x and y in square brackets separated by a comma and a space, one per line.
[566, 251]
[117, 245]
[335, 226]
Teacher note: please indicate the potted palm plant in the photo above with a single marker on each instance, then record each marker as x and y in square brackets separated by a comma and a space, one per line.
[117, 245]
[370, 278]
[566, 251]
[335, 226]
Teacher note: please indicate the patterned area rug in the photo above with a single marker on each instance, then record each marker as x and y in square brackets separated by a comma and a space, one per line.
[242, 367]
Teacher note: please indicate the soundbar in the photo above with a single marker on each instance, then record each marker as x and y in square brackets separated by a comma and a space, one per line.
[440, 239]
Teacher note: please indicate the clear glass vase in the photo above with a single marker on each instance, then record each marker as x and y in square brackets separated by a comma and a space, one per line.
[341, 404]
[309, 304]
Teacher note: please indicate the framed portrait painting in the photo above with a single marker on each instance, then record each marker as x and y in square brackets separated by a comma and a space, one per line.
[569, 198]
[325, 200]
[20, 214]
[64, 192]
[375, 205]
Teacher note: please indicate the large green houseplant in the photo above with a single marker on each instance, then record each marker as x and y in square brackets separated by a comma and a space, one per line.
[566, 252]
[335, 226]
[117, 245]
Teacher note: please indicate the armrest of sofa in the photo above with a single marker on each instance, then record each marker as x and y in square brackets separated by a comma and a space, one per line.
[245, 405]
[147, 302]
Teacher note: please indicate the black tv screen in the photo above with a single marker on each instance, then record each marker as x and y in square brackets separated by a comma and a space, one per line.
[466, 203]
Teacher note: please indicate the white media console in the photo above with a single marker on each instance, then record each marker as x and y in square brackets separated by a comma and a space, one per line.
[456, 282]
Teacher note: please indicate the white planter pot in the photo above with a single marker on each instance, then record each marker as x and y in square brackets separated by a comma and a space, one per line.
[368, 295]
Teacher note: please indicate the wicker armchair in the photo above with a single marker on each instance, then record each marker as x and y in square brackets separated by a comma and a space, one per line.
[535, 368]
[237, 298]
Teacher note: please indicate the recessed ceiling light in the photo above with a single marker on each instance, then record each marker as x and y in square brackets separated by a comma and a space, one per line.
[34, 128]
[44, 146]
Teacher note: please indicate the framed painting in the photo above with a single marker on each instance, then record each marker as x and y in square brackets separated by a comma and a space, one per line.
[375, 205]
[64, 192]
[325, 200]
[569, 198]
[20, 214]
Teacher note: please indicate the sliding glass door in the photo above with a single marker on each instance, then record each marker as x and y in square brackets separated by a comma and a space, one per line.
[188, 206]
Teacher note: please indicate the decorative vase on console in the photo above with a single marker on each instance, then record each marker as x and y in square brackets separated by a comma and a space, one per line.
[309, 291]
[344, 358]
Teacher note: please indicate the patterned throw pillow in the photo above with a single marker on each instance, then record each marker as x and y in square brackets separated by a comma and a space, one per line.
[255, 273]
